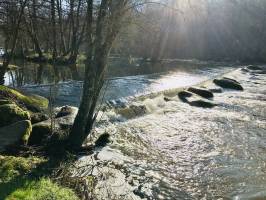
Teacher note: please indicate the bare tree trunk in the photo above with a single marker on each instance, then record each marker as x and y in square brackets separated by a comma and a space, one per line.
[62, 37]
[53, 29]
[96, 64]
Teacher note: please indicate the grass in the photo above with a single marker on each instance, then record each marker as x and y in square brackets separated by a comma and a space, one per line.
[17, 182]
[43, 189]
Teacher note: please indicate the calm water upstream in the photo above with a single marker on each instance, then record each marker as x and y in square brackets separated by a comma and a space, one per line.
[176, 151]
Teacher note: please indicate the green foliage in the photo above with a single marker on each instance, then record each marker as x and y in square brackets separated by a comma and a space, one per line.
[16, 184]
[43, 189]
[11, 167]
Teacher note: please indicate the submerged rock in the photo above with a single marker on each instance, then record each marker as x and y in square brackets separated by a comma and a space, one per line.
[215, 90]
[228, 83]
[201, 92]
[254, 67]
[11, 113]
[18, 132]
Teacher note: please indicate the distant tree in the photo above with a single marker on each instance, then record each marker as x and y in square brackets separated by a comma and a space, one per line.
[12, 14]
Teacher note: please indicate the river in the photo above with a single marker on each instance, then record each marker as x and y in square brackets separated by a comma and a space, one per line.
[175, 151]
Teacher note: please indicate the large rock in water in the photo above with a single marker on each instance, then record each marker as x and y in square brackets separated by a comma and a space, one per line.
[202, 103]
[183, 95]
[195, 100]
[11, 113]
[228, 83]
[201, 92]
[18, 132]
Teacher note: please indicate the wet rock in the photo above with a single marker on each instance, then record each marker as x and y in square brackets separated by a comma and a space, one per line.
[202, 103]
[38, 117]
[17, 133]
[167, 99]
[40, 132]
[228, 83]
[64, 111]
[103, 140]
[201, 92]
[183, 95]
[11, 113]
[215, 90]
[230, 79]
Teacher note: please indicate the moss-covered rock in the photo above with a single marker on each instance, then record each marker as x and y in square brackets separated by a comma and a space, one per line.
[17, 133]
[40, 132]
[11, 113]
[38, 117]
[32, 102]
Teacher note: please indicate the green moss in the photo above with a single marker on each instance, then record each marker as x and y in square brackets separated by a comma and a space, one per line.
[27, 134]
[44, 189]
[11, 113]
[14, 184]
[31, 101]
[11, 167]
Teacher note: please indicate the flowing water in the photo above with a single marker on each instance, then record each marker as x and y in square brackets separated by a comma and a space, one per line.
[123, 79]
[181, 152]
[175, 151]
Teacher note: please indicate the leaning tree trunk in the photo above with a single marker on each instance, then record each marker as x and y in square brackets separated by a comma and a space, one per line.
[91, 90]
